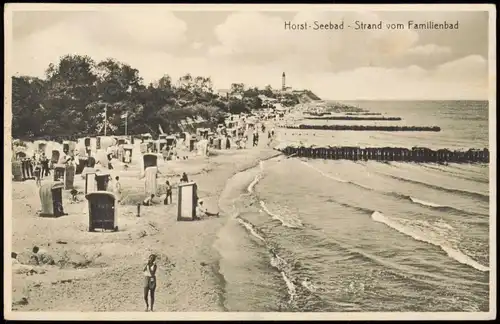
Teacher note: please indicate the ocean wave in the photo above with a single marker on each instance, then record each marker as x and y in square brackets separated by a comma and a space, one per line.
[450, 251]
[424, 203]
[276, 261]
[456, 174]
[251, 228]
[335, 178]
[291, 222]
[324, 174]
[472, 194]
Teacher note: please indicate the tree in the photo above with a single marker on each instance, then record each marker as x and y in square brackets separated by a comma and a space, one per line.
[237, 88]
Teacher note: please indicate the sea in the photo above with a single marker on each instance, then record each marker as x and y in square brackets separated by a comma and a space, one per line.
[306, 235]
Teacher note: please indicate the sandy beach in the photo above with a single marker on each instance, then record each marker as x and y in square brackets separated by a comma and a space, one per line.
[102, 271]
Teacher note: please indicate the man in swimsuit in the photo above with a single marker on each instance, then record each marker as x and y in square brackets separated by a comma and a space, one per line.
[150, 281]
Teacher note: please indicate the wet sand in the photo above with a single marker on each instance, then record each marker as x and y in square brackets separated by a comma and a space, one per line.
[102, 271]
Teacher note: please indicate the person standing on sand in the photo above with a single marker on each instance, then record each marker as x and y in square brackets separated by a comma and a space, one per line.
[118, 188]
[38, 173]
[45, 166]
[169, 193]
[150, 281]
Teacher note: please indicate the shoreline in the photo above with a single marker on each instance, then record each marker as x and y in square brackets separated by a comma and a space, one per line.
[189, 280]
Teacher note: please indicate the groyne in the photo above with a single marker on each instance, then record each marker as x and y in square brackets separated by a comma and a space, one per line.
[366, 128]
[351, 118]
[364, 113]
[415, 154]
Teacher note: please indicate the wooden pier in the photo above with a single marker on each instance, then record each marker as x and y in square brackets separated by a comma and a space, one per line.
[415, 154]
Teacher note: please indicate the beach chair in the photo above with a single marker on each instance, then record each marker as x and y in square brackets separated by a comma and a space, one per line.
[51, 199]
[149, 160]
[102, 180]
[17, 170]
[90, 180]
[66, 174]
[127, 153]
[102, 211]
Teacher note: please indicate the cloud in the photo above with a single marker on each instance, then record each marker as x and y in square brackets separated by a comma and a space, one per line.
[466, 78]
[196, 45]
[133, 38]
[430, 49]
[255, 37]
[254, 48]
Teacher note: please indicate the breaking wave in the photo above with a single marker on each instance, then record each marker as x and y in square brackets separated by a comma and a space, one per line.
[445, 246]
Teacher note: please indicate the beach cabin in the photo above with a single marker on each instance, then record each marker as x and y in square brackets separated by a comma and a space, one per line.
[91, 162]
[65, 174]
[151, 181]
[42, 147]
[217, 143]
[86, 142]
[82, 163]
[59, 172]
[69, 148]
[102, 211]
[119, 153]
[127, 153]
[187, 201]
[56, 155]
[171, 141]
[146, 137]
[102, 180]
[162, 144]
[202, 132]
[90, 180]
[192, 144]
[102, 158]
[17, 170]
[51, 199]
[149, 160]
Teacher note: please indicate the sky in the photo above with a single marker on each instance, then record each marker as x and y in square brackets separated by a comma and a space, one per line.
[253, 47]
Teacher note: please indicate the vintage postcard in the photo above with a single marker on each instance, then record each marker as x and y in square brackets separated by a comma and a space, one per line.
[250, 162]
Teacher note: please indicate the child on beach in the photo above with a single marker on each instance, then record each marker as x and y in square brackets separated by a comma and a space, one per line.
[38, 173]
[149, 272]
[169, 193]
[74, 193]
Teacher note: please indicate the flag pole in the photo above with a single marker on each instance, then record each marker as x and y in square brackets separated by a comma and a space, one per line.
[105, 118]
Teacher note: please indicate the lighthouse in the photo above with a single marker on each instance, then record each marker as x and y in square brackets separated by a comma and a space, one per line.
[283, 82]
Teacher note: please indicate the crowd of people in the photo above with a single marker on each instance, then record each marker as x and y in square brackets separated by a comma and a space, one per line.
[39, 166]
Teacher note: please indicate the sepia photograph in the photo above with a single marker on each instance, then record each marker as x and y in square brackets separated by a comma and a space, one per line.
[250, 161]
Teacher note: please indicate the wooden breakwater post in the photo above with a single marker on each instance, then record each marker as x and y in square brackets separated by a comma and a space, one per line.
[365, 128]
[378, 118]
[415, 154]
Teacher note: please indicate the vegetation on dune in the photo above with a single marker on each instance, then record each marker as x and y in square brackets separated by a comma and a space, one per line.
[72, 97]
